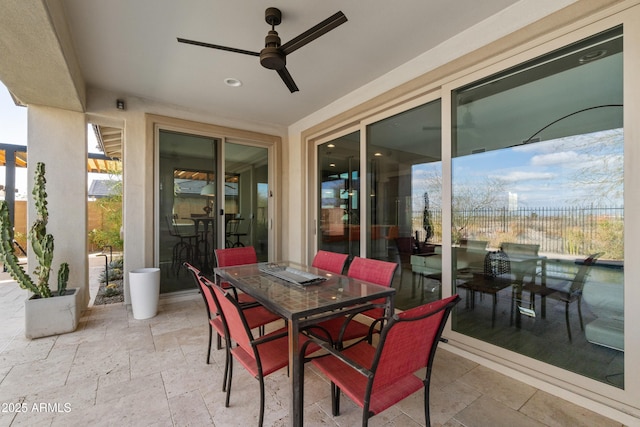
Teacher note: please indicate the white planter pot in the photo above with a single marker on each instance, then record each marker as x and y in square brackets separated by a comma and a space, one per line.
[52, 316]
[144, 286]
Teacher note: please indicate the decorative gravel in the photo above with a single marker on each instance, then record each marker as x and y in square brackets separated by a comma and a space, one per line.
[101, 298]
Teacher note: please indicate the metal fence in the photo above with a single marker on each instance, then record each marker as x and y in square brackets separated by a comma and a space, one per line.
[566, 230]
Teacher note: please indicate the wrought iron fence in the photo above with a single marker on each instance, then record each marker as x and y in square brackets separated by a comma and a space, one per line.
[566, 230]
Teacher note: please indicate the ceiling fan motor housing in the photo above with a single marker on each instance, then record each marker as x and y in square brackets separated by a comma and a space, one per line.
[271, 56]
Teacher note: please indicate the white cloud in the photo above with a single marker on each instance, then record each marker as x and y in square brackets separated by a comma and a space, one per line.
[562, 157]
[526, 176]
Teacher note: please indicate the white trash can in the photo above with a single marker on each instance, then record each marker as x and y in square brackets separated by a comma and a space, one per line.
[144, 286]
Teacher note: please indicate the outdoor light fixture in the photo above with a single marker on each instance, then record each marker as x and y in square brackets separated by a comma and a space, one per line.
[208, 190]
[120, 104]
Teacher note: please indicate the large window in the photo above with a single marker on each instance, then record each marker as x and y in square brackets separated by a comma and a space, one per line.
[339, 195]
[403, 200]
[537, 209]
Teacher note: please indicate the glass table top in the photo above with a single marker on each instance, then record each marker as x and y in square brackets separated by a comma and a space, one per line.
[294, 301]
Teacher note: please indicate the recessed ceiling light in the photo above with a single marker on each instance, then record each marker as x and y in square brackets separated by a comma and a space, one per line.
[230, 81]
[332, 165]
[378, 154]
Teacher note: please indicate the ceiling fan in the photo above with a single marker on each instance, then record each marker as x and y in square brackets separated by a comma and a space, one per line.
[274, 55]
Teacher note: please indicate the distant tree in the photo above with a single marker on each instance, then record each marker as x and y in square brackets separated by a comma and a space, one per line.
[599, 172]
[468, 198]
[471, 197]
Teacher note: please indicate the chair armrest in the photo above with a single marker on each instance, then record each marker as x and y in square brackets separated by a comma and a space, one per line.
[270, 337]
[351, 316]
[369, 337]
[333, 352]
[308, 330]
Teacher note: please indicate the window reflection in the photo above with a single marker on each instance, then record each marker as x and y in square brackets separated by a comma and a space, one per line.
[186, 206]
[403, 201]
[537, 209]
[339, 181]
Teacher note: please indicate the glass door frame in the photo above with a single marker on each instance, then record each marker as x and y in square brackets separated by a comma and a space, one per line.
[361, 126]
[238, 136]
[272, 226]
[313, 202]
[509, 359]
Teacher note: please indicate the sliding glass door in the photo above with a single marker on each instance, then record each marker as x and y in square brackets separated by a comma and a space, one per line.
[247, 218]
[187, 205]
[538, 208]
[404, 192]
[338, 225]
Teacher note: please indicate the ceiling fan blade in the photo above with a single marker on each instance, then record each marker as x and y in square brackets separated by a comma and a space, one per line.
[287, 79]
[313, 33]
[215, 46]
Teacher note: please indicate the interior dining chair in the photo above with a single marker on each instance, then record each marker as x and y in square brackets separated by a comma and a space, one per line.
[330, 261]
[260, 356]
[184, 249]
[565, 291]
[376, 378]
[372, 271]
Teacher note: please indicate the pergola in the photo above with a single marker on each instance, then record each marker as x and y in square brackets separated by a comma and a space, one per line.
[15, 156]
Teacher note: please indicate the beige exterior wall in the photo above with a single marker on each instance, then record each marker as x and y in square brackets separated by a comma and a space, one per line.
[58, 138]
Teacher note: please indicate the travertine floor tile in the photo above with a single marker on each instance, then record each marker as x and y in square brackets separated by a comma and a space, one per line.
[555, 412]
[487, 412]
[27, 378]
[145, 362]
[116, 370]
[151, 385]
[500, 387]
[189, 409]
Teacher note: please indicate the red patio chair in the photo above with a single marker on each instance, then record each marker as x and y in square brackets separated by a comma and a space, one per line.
[214, 321]
[260, 356]
[330, 261]
[257, 316]
[376, 378]
[369, 270]
[230, 257]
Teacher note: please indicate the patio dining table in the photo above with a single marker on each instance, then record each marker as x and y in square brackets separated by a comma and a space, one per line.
[302, 305]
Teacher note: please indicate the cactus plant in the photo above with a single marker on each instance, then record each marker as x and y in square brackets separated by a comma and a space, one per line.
[41, 244]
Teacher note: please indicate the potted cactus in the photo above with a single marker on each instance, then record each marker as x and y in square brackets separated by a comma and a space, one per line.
[46, 312]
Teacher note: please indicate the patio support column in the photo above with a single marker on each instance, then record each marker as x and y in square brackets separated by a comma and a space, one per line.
[59, 139]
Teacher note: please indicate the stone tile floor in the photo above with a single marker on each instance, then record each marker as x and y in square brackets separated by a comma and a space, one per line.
[115, 370]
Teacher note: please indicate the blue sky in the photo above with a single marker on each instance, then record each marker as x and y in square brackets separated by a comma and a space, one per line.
[13, 130]
[13, 120]
[561, 172]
